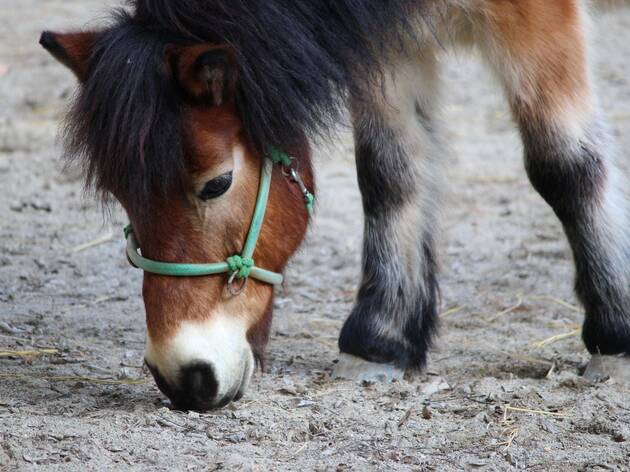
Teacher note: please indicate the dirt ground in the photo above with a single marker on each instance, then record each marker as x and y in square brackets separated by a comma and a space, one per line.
[503, 388]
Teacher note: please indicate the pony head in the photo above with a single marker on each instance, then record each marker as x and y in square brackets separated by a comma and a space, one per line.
[156, 125]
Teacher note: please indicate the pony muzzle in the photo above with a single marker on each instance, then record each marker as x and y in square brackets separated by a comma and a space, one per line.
[205, 365]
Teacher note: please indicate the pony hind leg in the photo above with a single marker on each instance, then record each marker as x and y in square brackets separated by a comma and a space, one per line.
[539, 51]
[398, 164]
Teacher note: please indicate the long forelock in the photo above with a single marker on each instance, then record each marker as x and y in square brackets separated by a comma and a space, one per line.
[298, 59]
[124, 125]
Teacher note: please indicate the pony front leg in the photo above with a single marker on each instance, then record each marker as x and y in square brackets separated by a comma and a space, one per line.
[398, 162]
[539, 51]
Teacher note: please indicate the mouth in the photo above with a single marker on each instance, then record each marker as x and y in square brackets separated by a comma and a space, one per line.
[198, 389]
[204, 365]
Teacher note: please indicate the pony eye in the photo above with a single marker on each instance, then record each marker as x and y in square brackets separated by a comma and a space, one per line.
[216, 187]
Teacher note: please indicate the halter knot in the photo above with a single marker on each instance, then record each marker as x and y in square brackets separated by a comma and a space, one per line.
[279, 157]
[241, 265]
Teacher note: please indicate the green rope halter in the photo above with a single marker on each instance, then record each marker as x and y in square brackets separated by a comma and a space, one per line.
[240, 266]
[279, 157]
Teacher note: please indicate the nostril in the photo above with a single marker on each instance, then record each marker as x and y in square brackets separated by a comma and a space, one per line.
[198, 383]
[196, 388]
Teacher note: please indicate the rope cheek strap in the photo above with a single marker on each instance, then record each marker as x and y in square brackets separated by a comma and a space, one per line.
[239, 266]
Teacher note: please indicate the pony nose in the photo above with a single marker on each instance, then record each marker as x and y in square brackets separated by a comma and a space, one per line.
[197, 388]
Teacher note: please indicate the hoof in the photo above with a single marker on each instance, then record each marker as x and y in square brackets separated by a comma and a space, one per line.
[354, 368]
[603, 367]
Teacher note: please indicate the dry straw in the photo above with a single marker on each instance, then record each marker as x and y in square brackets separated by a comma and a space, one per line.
[71, 378]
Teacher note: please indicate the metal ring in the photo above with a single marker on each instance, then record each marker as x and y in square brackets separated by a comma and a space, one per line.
[236, 292]
[295, 166]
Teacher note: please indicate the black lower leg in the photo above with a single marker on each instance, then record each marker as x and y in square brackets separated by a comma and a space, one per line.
[578, 181]
[395, 315]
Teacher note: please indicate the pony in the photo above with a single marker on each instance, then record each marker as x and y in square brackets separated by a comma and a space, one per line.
[180, 106]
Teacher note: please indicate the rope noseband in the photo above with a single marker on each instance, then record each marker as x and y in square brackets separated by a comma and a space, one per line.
[239, 266]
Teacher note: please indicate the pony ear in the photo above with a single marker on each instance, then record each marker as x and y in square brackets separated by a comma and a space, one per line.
[207, 73]
[71, 49]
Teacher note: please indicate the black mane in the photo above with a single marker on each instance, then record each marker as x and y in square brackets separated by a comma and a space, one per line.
[297, 59]
[297, 62]
[124, 127]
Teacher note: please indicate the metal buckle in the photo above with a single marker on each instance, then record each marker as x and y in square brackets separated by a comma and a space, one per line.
[235, 292]
[293, 173]
[295, 177]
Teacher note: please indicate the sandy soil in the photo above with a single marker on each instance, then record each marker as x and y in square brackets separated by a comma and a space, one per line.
[494, 397]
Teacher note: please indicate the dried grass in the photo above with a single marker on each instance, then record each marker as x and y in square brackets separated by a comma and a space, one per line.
[498, 315]
[71, 378]
[31, 353]
[515, 409]
[556, 338]
[96, 242]
[451, 311]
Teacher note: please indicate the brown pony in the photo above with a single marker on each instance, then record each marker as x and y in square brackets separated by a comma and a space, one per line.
[180, 102]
